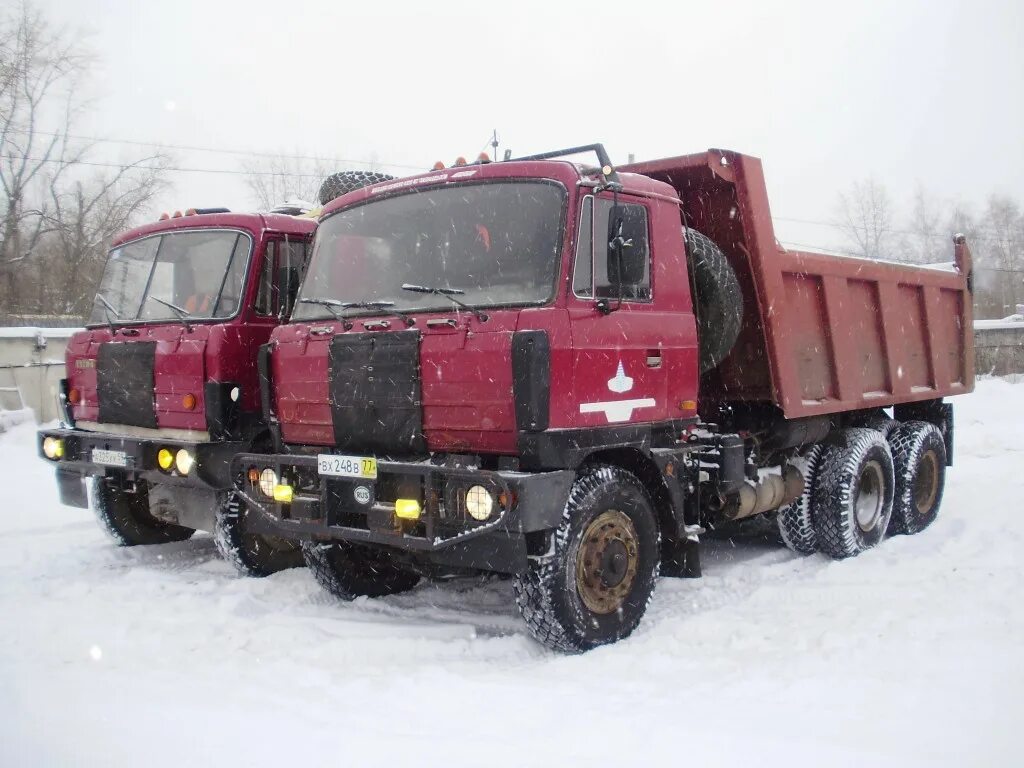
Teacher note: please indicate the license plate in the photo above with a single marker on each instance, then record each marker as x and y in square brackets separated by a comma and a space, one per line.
[346, 466]
[112, 458]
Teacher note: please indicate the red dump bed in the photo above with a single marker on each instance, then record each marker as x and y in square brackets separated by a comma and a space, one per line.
[821, 333]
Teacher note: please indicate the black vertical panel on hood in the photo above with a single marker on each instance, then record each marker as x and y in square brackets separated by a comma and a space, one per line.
[124, 383]
[375, 392]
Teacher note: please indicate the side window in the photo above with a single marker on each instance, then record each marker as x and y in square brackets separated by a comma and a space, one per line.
[265, 294]
[284, 262]
[583, 272]
[599, 271]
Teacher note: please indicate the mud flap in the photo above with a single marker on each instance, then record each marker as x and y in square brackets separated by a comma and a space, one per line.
[71, 488]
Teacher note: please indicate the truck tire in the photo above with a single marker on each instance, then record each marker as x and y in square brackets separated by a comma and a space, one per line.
[796, 519]
[919, 457]
[878, 422]
[594, 585]
[252, 554]
[349, 571]
[853, 494]
[338, 184]
[126, 518]
[718, 301]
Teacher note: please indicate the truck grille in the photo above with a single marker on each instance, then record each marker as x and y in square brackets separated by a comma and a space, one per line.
[124, 383]
[375, 393]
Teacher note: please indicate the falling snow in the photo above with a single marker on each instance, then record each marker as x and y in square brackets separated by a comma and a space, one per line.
[908, 655]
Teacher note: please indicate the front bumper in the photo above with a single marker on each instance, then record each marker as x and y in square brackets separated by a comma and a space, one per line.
[210, 471]
[326, 508]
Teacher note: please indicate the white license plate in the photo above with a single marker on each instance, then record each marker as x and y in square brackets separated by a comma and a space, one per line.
[113, 458]
[346, 466]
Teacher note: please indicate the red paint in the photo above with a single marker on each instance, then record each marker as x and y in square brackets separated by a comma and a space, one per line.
[821, 334]
[221, 352]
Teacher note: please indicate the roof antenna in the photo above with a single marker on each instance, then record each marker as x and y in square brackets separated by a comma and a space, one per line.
[494, 143]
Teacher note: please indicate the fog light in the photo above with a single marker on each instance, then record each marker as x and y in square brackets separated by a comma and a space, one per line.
[165, 459]
[53, 447]
[479, 503]
[268, 481]
[407, 509]
[184, 461]
[283, 494]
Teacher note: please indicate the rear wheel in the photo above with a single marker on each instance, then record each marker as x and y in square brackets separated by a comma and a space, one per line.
[796, 520]
[594, 586]
[852, 496]
[252, 554]
[919, 456]
[126, 518]
[349, 571]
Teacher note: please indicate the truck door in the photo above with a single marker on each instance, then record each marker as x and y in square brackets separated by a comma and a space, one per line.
[283, 266]
[623, 340]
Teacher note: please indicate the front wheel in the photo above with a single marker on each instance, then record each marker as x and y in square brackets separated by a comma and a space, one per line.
[126, 518]
[594, 585]
[349, 571]
[252, 554]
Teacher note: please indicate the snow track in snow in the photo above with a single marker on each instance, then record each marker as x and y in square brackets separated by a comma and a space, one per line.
[909, 654]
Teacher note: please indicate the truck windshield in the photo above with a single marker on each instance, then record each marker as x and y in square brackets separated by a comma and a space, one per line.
[496, 242]
[198, 271]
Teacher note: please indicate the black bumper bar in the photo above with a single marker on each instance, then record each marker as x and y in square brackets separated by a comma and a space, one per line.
[210, 471]
[328, 508]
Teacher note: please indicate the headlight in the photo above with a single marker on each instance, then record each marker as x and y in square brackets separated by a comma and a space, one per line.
[184, 461]
[165, 459]
[53, 447]
[268, 480]
[479, 503]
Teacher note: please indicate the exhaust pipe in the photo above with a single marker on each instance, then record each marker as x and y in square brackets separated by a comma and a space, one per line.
[770, 492]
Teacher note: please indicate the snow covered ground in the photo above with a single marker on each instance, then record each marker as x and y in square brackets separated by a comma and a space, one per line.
[912, 654]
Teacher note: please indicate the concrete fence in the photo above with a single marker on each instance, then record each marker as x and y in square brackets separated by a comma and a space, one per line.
[32, 362]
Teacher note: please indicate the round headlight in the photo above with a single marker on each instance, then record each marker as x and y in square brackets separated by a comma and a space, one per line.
[53, 447]
[165, 459]
[479, 503]
[268, 479]
[184, 461]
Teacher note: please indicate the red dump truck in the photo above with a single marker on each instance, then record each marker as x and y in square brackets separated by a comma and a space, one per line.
[566, 373]
[161, 388]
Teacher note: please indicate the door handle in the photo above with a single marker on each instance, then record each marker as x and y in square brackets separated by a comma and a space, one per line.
[654, 358]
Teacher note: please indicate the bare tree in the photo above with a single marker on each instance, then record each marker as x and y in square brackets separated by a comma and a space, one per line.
[41, 72]
[273, 180]
[866, 218]
[56, 222]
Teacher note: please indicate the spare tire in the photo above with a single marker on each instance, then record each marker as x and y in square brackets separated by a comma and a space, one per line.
[337, 184]
[718, 302]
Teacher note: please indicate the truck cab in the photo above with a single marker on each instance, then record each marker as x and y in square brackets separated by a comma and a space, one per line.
[161, 386]
[565, 372]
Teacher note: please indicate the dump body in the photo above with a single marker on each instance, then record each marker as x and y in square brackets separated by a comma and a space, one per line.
[822, 334]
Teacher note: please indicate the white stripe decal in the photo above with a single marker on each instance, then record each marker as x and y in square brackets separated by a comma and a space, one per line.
[618, 410]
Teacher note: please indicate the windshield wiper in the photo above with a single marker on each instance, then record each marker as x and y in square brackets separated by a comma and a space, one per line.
[448, 293]
[334, 304]
[331, 304]
[181, 312]
[108, 308]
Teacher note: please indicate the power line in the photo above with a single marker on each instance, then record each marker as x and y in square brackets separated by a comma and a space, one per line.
[214, 150]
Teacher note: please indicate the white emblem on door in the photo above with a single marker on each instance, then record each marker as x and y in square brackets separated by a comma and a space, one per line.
[620, 382]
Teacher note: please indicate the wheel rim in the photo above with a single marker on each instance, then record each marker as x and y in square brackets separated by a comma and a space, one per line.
[926, 482]
[870, 496]
[607, 562]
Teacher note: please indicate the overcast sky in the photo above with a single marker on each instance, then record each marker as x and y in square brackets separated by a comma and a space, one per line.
[928, 93]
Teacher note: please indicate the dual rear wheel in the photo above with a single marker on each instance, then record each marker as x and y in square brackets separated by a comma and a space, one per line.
[863, 484]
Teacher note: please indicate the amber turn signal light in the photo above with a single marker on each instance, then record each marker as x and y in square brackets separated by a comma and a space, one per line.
[189, 401]
[74, 397]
